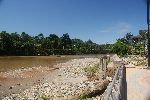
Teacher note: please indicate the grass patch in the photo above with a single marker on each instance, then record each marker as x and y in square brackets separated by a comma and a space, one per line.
[92, 71]
[83, 98]
[44, 97]
[110, 71]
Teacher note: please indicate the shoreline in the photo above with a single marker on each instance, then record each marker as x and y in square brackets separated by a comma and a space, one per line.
[15, 82]
[69, 75]
[18, 62]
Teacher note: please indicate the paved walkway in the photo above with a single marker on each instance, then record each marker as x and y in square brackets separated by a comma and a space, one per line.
[138, 84]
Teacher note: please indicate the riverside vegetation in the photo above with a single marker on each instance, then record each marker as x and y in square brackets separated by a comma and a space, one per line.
[14, 44]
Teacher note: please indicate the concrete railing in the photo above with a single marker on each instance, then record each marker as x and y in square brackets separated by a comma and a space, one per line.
[116, 90]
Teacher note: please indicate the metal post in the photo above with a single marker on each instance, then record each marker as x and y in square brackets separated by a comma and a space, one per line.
[148, 33]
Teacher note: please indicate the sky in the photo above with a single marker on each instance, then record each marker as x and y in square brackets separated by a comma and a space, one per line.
[102, 21]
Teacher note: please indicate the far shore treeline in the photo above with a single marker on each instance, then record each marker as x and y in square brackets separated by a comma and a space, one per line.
[14, 44]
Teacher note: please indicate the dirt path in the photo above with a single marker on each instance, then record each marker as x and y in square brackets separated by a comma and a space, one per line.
[138, 84]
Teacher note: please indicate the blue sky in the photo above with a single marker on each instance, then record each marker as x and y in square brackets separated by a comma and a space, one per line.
[101, 21]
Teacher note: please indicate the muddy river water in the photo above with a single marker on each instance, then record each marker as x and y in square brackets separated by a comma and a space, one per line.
[16, 62]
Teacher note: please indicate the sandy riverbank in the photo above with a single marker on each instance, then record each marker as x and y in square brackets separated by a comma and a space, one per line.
[12, 82]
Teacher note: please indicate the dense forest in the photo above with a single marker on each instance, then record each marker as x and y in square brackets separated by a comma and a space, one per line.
[14, 44]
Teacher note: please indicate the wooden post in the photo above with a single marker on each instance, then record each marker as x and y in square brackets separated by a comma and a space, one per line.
[108, 57]
[102, 64]
[105, 65]
[101, 69]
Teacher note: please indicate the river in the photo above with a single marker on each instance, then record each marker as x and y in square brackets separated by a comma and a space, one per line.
[15, 62]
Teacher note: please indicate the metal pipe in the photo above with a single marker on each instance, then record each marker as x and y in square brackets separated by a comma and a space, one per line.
[148, 33]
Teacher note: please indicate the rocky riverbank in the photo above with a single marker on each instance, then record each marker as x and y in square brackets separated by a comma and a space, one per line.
[72, 80]
[135, 61]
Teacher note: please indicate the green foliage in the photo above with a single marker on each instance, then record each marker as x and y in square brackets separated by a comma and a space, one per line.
[131, 44]
[43, 98]
[128, 37]
[83, 98]
[120, 48]
[66, 41]
[91, 71]
[25, 45]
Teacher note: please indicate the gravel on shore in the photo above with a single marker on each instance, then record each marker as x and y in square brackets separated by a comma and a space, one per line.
[135, 61]
[70, 81]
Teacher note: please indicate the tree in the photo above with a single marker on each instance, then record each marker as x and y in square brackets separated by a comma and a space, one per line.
[144, 37]
[38, 44]
[120, 48]
[25, 45]
[128, 37]
[65, 44]
[47, 47]
[66, 41]
[54, 41]
[16, 50]
[77, 45]
[25, 37]
[5, 43]
[89, 45]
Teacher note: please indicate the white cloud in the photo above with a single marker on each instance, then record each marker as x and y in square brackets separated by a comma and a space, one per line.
[120, 27]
